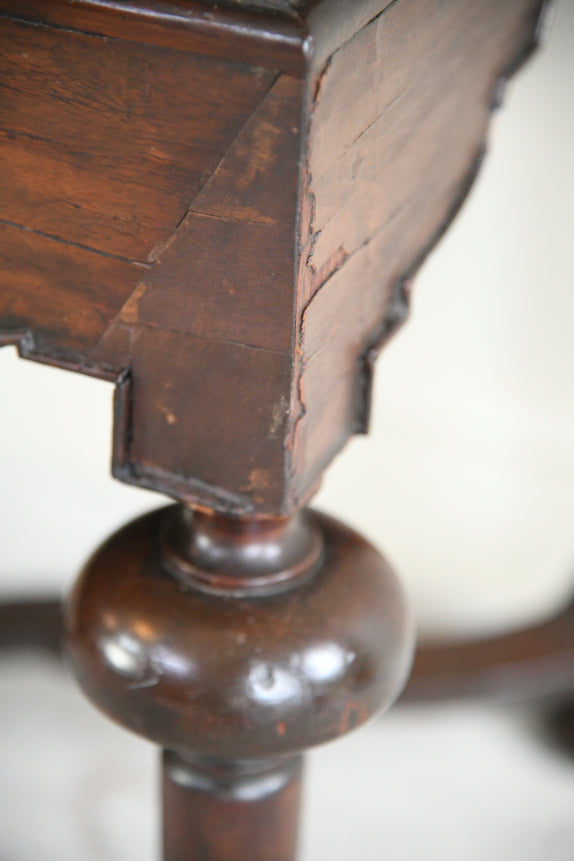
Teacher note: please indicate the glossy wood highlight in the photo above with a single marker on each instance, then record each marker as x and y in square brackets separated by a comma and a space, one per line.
[237, 645]
[238, 673]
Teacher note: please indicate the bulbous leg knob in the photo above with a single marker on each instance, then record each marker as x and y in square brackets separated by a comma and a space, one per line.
[237, 641]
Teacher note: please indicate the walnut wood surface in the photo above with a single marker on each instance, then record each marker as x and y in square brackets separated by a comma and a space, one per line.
[105, 151]
[224, 812]
[219, 207]
[288, 35]
[229, 243]
[237, 644]
[398, 123]
[531, 663]
[233, 674]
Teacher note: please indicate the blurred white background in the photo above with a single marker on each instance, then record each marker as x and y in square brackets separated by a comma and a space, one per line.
[467, 479]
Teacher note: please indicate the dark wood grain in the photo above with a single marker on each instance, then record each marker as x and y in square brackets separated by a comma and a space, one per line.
[293, 36]
[220, 207]
[57, 300]
[207, 420]
[234, 31]
[196, 229]
[222, 341]
[111, 157]
[399, 119]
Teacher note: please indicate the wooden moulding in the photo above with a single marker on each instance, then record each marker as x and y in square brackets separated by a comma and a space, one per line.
[219, 207]
[290, 36]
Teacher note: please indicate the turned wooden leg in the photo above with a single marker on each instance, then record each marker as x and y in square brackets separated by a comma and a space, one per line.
[220, 207]
[228, 810]
[237, 644]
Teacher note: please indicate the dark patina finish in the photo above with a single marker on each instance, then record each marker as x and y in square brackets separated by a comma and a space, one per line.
[219, 207]
[242, 677]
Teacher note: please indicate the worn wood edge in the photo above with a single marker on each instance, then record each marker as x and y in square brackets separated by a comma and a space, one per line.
[244, 35]
[399, 307]
[198, 492]
[24, 342]
[186, 489]
[397, 313]
[333, 23]
[293, 38]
